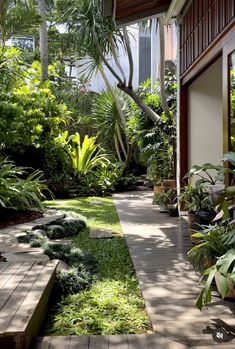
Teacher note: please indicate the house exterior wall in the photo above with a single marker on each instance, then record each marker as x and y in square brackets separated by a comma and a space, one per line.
[205, 113]
[146, 53]
[201, 26]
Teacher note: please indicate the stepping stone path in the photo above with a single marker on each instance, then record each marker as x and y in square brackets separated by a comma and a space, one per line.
[101, 234]
[13, 251]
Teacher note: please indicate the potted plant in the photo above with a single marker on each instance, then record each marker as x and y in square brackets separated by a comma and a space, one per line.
[223, 271]
[171, 202]
[210, 244]
[161, 200]
[196, 201]
[154, 175]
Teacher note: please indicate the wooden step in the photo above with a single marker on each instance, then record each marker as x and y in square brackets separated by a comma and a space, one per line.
[25, 288]
[135, 341]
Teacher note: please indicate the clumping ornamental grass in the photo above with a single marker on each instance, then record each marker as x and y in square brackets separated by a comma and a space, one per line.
[113, 304]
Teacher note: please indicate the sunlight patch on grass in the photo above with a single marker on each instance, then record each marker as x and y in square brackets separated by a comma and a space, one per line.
[99, 217]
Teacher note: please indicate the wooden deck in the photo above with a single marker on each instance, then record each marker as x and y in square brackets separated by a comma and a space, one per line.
[158, 246]
[24, 292]
[140, 341]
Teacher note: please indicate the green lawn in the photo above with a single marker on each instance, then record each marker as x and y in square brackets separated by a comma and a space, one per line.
[114, 303]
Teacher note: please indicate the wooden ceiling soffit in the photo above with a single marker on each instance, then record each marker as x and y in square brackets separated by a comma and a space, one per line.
[128, 11]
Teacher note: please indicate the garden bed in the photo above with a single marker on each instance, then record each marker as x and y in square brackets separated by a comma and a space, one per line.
[113, 304]
[10, 217]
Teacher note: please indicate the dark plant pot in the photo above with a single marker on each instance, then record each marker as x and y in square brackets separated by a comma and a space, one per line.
[163, 208]
[205, 217]
[173, 210]
[169, 184]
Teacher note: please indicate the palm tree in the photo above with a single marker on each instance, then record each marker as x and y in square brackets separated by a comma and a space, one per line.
[17, 17]
[98, 37]
[42, 10]
[107, 120]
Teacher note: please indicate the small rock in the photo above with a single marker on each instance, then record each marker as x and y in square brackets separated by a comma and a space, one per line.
[62, 266]
[55, 231]
[101, 234]
[39, 232]
[25, 256]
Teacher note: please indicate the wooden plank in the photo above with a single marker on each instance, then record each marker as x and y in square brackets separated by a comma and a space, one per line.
[99, 342]
[41, 343]
[27, 308]
[14, 302]
[156, 341]
[8, 272]
[79, 342]
[44, 282]
[137, 341]
[119, 342]
[13, 282]
[4, 265]
[59, 342]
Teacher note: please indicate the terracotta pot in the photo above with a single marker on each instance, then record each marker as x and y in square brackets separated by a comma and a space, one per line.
[231, 292]
[157, 189]
[169, 184]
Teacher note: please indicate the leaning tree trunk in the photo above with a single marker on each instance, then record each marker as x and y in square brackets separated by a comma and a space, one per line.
[43, 40]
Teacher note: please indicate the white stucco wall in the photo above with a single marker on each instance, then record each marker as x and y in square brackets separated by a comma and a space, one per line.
[97, 83]
[206, 117]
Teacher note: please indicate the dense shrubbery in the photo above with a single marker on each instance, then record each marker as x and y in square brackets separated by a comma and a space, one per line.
[18, 192]
[52, 127]
[82, 271]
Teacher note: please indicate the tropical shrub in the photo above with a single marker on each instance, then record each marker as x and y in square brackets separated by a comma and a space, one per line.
[110, 123]
[86, 156]
[17, 192]
[157, 143]
[73, 280]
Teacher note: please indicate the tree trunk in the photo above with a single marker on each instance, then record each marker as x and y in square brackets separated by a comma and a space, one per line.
[117, 149]
[162, 66]
[43, 40]
[128, 90]
[145, 108]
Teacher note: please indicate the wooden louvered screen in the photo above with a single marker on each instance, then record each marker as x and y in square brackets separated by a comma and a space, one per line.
[203, 22]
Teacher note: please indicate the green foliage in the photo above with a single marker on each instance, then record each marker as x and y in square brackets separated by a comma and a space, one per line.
[107, 120]
[157, 143]
[19, 193]
[11, 68]
[195, 198]
[104, 180]
[73, 226]
[86, 155]
[17, 17]
[211, 243]
[107, 308]
[224, 269]
[73, 280]
[30, 113]
[69, 255]
[166, 198]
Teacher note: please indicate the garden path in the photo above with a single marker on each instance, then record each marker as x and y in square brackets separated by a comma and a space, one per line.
[158, 246]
